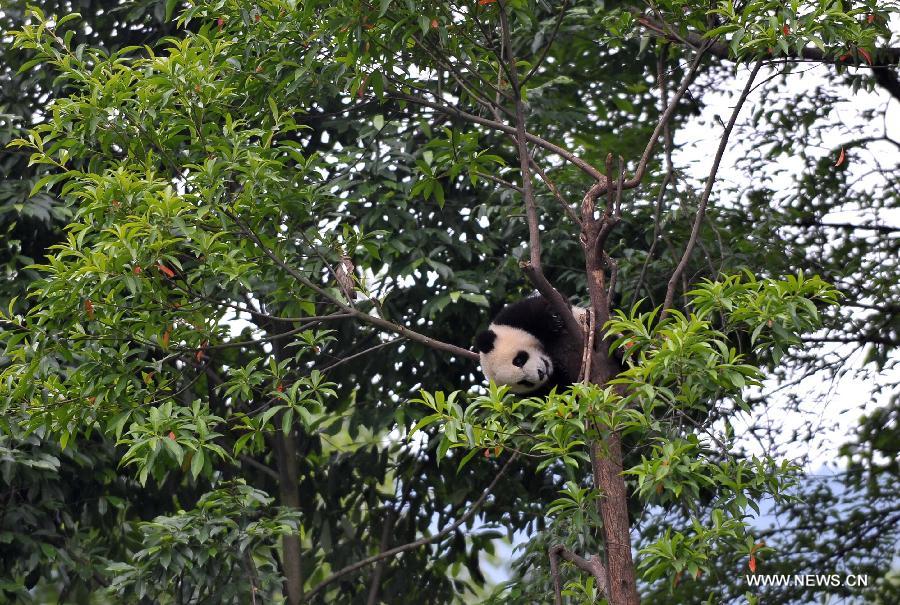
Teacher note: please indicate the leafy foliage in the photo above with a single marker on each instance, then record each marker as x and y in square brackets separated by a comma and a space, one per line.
[196, 556]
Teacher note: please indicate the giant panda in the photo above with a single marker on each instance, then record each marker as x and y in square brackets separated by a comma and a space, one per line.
[528, 348]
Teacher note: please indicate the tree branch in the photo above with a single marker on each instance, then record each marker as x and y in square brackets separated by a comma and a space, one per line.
[420, 542]
[501, 182]
[704, 199]
[532, 268]
[665, 117]
[361, 353]
[669, 176]
[500, 126]
[353, 312]
[534, 234]
[555, 191]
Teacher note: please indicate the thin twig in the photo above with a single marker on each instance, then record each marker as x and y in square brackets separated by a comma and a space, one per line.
[657, 227]
[260, 466]
[500, 181]
[361, 353]
[664, 119]
[555, 191]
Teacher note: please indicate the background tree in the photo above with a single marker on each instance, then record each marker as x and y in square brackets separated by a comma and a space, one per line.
[178, 319]
[66, 511]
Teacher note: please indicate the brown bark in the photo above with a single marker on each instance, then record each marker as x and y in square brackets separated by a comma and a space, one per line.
[593, 566]
[608, 478]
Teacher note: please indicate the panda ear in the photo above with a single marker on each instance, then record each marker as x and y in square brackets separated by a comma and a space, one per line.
[484, 342]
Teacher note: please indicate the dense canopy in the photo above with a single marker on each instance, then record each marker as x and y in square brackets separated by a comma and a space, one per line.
[247, 247]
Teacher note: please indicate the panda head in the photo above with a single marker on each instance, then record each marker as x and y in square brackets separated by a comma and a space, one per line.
[513, 357]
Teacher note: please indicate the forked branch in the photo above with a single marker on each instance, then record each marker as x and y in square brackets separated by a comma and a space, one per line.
[593, 566]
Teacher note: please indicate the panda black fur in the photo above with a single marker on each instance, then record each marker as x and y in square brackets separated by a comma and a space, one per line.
[528, 348]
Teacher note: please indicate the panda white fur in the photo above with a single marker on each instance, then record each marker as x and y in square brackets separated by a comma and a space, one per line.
[528, 348]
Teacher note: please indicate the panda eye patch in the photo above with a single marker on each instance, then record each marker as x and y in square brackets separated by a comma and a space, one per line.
[520, 359]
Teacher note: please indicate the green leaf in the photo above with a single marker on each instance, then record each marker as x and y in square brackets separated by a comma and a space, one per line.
[175, 449]
[67, 18]
[170, 8]
[424, 422]
[197, 463]
[466, 459]
[43, 181]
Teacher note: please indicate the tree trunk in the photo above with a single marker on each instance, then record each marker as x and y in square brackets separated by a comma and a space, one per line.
[606, 456]
[607, 462]
[289, 492]
[288, 486]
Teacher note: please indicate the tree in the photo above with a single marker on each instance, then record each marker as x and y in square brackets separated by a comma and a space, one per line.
[248, 224]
